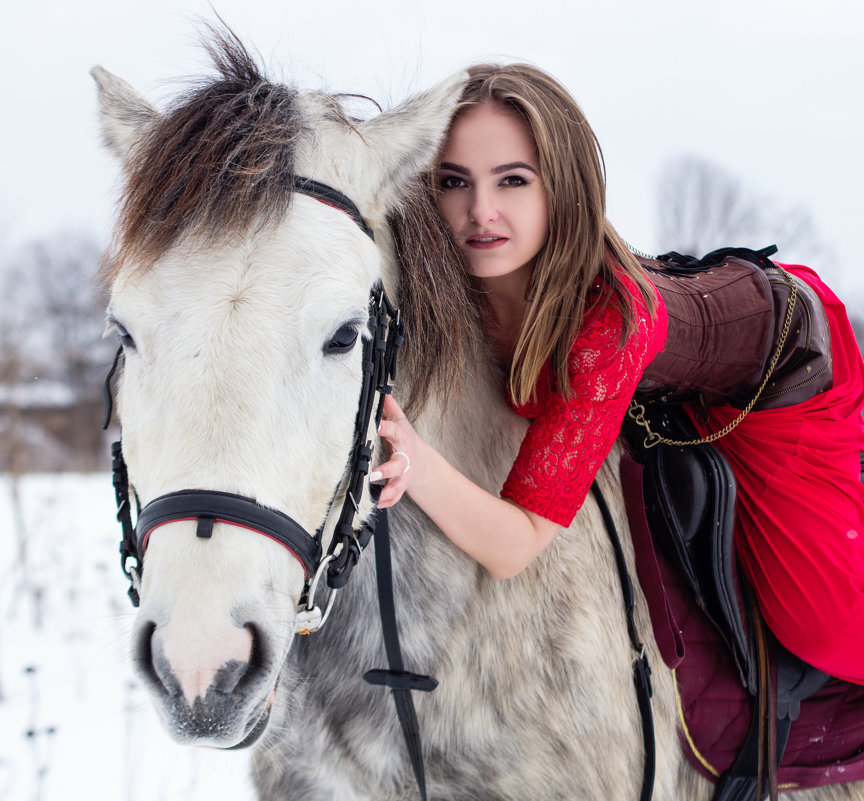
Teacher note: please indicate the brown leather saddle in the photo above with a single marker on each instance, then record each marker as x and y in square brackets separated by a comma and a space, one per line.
[727, 314]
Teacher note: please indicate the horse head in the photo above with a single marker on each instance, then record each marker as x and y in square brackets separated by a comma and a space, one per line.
[242, 307]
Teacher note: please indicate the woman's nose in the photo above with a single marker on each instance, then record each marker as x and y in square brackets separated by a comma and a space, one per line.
[483, 209]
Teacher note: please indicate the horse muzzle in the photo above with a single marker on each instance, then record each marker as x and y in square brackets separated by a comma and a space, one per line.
[213, 684]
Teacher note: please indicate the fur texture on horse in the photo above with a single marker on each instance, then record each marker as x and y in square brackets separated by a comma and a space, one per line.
[226, 386]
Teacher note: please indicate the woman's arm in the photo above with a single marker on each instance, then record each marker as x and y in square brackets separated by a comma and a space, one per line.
[499, 534]
[559, 457]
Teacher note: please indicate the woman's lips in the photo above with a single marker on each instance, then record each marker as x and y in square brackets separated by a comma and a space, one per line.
[485, 242]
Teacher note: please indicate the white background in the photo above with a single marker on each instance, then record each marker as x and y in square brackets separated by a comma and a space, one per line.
[769, 89]
[75, 724]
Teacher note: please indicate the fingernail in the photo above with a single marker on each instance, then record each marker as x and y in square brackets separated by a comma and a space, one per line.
[376, 475]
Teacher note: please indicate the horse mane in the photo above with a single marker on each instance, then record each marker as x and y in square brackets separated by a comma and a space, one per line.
[219, 161]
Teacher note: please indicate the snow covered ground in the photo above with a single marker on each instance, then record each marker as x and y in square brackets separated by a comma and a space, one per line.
[74, 721]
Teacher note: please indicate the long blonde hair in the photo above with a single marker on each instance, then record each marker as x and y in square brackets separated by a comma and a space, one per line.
[582, 245]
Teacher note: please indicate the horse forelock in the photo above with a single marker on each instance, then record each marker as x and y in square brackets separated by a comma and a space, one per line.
[215, 164]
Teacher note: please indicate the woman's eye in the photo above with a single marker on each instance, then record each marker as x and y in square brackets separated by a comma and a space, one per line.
[452, 182]
[342, 341]
[514, 180]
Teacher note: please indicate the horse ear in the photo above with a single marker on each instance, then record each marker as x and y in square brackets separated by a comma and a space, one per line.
[123, 112]
[404, 140]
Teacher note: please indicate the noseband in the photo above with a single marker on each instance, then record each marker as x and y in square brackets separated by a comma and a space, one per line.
[207, 507]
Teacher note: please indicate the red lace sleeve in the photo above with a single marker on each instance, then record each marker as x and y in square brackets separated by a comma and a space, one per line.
[568, 440]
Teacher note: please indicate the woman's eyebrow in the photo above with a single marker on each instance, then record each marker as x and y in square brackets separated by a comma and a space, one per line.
[449, 165]
[511, 165]
[514, 165]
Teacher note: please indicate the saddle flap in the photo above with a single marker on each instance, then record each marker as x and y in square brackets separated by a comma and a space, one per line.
[676, 503]
[690, 505]
[725, 581]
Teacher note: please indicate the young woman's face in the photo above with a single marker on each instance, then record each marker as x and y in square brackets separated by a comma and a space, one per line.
[492, 196]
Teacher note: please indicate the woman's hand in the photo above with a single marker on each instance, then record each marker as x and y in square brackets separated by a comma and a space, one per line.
[404, 447]
[500, 535]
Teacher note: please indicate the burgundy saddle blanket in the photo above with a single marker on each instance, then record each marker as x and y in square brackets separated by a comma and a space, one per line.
[826, 742]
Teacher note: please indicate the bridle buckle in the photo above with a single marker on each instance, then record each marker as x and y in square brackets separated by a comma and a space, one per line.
[310, 617]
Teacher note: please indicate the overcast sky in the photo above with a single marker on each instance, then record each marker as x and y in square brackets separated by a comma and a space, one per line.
[771, 90]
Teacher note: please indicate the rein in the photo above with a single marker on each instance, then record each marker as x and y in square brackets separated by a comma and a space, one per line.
[641, 668]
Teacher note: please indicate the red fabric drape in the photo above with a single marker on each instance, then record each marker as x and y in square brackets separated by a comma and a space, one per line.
[800, 513]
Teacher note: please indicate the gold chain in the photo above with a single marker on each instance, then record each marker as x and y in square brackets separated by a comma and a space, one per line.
[636, 412]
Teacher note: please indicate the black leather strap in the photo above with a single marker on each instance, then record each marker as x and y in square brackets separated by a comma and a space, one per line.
[400, 682]
[380, 352]
[129, 559]
[208, 506]
[740, 782]
[641, 669]
[332, 197]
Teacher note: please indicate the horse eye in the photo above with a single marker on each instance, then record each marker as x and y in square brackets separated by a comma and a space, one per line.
[123, 335]
[342, 341]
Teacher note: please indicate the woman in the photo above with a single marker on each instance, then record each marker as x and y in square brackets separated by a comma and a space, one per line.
[567, 307]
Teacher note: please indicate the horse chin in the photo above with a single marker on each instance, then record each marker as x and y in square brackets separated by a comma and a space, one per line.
[254, 733]
[215, 722]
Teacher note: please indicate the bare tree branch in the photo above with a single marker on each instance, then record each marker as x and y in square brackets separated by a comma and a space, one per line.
[702, 207]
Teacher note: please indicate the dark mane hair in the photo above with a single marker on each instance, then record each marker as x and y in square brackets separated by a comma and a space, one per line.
[444, 335]
[219, 161]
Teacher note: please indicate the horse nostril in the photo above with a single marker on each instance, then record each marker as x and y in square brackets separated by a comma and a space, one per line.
[142, 654]
[257, 659]
[150, 663]
[227, 679]
[179, 661]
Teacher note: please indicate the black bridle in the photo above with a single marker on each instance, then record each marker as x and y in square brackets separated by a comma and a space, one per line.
[207, 507]
[380, 352]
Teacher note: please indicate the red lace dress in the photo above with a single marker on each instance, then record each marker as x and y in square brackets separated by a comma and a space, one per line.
[568, 439]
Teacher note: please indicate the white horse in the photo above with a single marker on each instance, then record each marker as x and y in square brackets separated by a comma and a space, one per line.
[242, 308]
